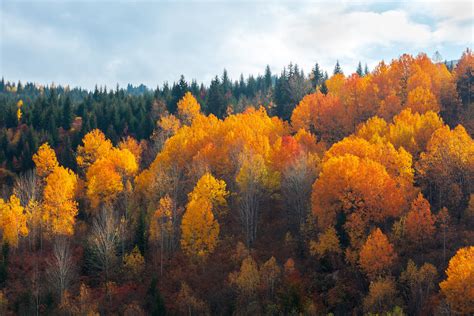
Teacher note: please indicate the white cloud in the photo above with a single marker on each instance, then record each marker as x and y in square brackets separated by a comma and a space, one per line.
[83, 43]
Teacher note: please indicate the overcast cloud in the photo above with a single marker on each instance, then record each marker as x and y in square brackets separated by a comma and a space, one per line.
[83, 43]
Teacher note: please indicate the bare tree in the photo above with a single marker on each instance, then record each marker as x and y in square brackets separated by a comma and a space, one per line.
[60, 271]
[254, 181]
[27, 188]
[296, 187]
[104, 243]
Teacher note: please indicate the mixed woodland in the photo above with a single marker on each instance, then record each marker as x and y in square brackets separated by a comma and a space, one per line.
[276, 194]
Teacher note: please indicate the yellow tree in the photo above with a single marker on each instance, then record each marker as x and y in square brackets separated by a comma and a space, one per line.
[410, 130]
[376, 255]
[188, 108]
[45, 160]
[13, 220]
[212, 189]
[133, 146]
[95, 145]
[107, 176]
[59, 206]
[199, 229]
[459, 285]
[19, 114]
[446, 168]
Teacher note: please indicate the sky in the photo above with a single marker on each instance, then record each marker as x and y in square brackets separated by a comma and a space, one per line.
[104, 42]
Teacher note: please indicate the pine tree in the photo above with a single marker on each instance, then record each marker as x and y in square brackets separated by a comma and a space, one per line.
[366, 70]
[177, 93]
[317, 76]
[226, 84]
[359, 70]
[324, 88]
[67, 114]
[337, 68]
[215, 101]
[268, 78]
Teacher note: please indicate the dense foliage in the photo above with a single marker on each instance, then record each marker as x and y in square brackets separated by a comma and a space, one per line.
[276, 195]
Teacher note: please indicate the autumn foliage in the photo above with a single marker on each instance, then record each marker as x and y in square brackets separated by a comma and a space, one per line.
[459, 285]
[364, 195]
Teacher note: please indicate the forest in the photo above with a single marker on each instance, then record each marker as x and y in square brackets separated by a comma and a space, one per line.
[278, 194]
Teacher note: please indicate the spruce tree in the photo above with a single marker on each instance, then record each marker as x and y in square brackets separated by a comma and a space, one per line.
[337, 68]
[359, 70]
[317, 76]
[215, 100]
[67, 114]
[268, 78]
[324, 88]
[366, 70]
[177, 93]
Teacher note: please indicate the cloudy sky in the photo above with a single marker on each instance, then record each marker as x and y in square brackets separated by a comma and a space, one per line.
[83, 43]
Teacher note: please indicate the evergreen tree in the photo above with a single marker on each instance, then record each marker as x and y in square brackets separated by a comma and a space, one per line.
[215, 99]
[317, 76]
[337, 68]
[290, 88]
[156, 304]
[141, 239]
[67, 114]
[226, 84]
[267, 78]
[324, 88]
[242, 85]
[177, 93]
[359, 70]
[366, 70]
[251, 87]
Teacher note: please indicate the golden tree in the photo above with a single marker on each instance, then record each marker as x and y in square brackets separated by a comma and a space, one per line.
[199, 229]
[59, 206]
[95, 145]
[459, 285]
[107, 176]
[188, 108]
[13, 220]
[447, 166]
[45, 160]
[376, 255]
